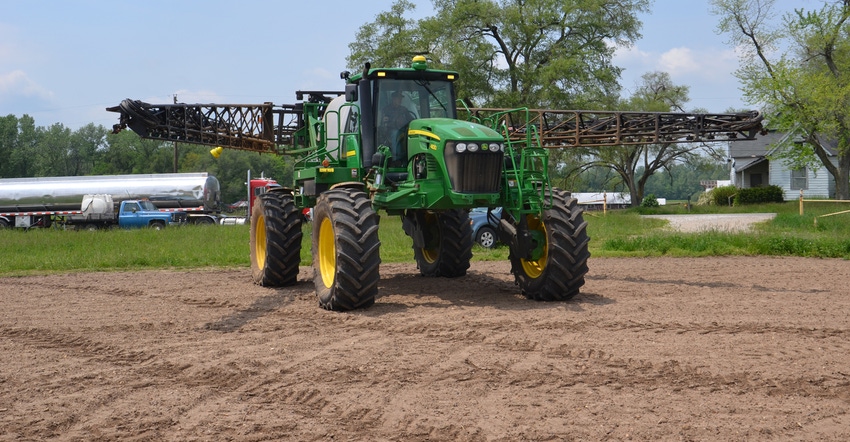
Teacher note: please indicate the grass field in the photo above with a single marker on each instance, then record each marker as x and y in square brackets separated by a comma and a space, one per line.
[618, 233]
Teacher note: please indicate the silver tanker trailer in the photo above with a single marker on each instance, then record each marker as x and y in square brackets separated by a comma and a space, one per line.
[197, 194]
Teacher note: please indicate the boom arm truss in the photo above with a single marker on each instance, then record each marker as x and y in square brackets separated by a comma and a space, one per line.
[274, 128]
[263, 127]
[571, 128]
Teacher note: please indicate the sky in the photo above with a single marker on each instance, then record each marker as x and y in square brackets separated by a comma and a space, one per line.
[66, 61]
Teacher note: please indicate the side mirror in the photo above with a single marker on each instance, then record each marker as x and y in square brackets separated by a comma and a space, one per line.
[350, 93]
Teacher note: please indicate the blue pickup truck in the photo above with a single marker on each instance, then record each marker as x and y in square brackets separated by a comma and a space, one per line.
[142, 213]
[97, 213]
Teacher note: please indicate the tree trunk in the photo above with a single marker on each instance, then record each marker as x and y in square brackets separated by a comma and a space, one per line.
[842, 179]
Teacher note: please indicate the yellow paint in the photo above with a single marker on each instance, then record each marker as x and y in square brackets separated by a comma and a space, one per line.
[327, 252]
[424, 133]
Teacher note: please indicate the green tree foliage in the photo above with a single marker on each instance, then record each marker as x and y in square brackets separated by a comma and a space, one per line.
[679, 181]
[232, 167]
[27, 150]
[634, 165]
[8, 144]
[799, 68]
[535, 53]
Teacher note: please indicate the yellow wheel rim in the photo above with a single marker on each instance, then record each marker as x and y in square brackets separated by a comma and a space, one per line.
[431, 255]
[535, 268]
[327, 252]
[260, 241]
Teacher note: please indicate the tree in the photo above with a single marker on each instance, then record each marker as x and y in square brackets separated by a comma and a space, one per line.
[8, 142]
[54, 146]
[636, 164]
[681, 181]
[535, 53]
[23, 158]
[126, 153]
[86, 142]
[806, 86]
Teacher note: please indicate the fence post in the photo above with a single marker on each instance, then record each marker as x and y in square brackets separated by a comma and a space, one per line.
[801, 202]
[604, 203]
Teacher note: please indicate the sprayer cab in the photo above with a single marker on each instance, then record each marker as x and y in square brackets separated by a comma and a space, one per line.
[419, 153]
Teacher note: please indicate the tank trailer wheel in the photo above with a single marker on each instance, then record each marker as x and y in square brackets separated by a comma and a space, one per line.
[275, 240]
[557, 268]
[346, 250]
[447, 245]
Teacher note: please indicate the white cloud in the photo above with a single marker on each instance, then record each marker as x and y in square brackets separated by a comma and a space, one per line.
[707, 70]
[18, 84]
[678, 61]
[632, 56]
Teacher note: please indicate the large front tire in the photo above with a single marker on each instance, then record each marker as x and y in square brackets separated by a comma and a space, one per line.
[346, 250]
[275, 240]
[447, 245]
[560, 263]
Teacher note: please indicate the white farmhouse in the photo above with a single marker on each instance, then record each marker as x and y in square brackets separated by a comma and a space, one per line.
[752, 167]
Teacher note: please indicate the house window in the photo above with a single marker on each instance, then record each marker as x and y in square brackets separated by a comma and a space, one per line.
[799, 179]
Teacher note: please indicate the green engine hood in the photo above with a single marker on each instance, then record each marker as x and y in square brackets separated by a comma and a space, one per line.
[447, 129]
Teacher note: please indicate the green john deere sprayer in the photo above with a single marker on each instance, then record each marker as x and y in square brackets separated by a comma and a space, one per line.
[394, 141]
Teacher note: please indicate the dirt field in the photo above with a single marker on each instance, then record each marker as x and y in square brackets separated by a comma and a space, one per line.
[654, 349]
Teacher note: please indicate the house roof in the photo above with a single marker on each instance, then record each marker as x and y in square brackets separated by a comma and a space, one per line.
[764, 144]
[745, 163]
[756, 148]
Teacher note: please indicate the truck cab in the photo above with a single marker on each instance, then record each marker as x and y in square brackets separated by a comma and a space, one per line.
[142, 213]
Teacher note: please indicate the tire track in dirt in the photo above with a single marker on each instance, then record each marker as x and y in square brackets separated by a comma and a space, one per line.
[695, 328]
[75, 345]
[706, 284]
[216, 382]
[433, 360]
[492, 337]
[644, 374]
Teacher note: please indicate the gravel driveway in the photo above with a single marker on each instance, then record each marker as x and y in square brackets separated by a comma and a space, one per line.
[732, 222]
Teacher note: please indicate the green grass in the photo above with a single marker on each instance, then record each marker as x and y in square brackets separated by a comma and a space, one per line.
[53, 250]
[621, 233]
[624, 233]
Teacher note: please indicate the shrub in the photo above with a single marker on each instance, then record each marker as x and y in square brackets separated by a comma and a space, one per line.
[723, 195]
[756, 195]
[649, 201]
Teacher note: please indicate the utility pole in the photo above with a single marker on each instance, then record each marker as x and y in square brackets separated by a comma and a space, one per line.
[175, 143]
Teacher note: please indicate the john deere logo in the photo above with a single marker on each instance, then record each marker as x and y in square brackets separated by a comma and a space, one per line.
[483, 147]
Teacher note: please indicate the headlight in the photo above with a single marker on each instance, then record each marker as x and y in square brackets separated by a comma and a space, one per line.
[472, 147]
[495, 147]
[460, 147]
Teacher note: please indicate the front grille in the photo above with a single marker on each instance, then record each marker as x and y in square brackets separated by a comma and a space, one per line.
[474, 172]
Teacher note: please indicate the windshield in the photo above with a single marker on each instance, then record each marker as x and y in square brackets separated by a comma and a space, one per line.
[419, 98]
[147, 205]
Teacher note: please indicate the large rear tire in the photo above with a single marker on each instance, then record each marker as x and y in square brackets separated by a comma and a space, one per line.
[346, 250]
[448, 243]
[558, 271]
[275, 240]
